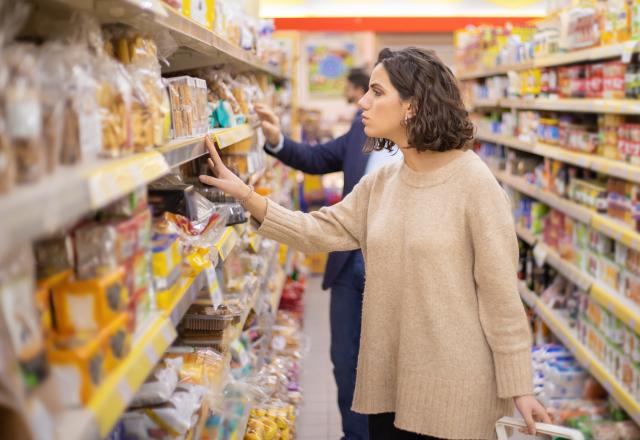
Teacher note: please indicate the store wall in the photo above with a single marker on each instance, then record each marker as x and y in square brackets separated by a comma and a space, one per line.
[333, 108]
[442, 43]
[368, 45]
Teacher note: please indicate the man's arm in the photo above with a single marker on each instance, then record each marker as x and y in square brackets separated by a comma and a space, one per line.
[317, 159]
[311, 159]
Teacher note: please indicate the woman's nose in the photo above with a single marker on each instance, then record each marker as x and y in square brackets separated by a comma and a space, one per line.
[363, 102]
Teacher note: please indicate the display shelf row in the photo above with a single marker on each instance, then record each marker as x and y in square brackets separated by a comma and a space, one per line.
[579, 105]
[615, 229]
[149, 344]
[599, 164]
[32, 211]
[198, 45]
[621, 307]
[620, 50]
[562, 330]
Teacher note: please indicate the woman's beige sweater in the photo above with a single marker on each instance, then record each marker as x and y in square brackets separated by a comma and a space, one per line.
[445, 342]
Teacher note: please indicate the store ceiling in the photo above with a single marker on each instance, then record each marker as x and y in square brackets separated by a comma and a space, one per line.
[401, 8]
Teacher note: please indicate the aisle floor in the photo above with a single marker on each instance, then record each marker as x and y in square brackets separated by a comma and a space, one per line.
[319, 415]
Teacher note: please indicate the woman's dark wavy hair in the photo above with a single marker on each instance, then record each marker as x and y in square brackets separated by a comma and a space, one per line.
[441, 121]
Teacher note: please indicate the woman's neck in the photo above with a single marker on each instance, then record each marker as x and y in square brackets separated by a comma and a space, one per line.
[428, 160]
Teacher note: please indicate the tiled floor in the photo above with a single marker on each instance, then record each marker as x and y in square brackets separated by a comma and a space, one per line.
[319, 416]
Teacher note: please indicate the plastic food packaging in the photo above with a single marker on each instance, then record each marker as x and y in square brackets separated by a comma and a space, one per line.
[89, 305]
[23, 110]
[167, 421]
[166, 258]
[206, 318]
[117, 340]
[21, 320]
[95, 246]
[160, 385]
[77, 365]
[188, 98]
[114, 102]
[53, 255]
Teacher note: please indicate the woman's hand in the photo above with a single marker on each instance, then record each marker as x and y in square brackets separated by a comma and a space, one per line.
[532, 411]
[224, 179]
[231, 184]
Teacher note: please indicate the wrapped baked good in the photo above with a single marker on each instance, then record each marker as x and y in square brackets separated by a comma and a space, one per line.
[23, 111]
[114, 102]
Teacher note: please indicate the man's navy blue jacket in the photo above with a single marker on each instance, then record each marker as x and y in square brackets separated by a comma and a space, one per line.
[344, 153]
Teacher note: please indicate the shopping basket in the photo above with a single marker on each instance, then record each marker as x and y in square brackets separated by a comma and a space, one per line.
[541, 428]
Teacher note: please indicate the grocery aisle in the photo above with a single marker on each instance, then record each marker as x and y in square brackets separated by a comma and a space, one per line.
[319, 416]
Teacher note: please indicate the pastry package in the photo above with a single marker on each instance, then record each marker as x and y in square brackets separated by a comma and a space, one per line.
[12, 17]
[21, 321]
[170, 420]
[160, 385]
[149, 105]
[23, 112]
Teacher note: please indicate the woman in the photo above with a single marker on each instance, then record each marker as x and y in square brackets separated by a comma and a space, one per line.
[445, 346]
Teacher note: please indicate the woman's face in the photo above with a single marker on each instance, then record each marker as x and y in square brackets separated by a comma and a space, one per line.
[383, 109]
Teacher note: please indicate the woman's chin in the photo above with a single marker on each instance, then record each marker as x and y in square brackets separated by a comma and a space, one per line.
[369, 132]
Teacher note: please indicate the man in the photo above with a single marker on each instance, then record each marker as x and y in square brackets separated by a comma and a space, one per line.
[344, 273]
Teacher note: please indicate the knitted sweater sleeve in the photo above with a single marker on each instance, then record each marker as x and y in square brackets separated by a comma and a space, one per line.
[502, 315]
[340, 227]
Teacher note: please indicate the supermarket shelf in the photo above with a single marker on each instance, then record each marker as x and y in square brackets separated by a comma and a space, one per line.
[486, 103]
[616, 106]
[566, 268]
[35, 210]
[572, 209]
[530, 298]
[610, 167]
[198, 46]
[277, 294]
[227, 242]
[626, 310]
[185, 295]
[560, 328]
[613, 228]
[526, 235]
[560, 59]
[114, 395]
[181, 151]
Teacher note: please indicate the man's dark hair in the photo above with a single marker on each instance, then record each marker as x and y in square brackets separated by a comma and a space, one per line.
[359, 78]
[441, 121]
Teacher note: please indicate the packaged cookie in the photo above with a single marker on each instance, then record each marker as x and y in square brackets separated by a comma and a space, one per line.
[23, 110]
[114, 102]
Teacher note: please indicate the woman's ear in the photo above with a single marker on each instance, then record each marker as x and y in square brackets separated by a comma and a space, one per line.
[410, 110]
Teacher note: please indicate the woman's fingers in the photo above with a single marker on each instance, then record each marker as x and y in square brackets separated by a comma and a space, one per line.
[541, 414]
[213, 152]
[212, 166]
[211, 181]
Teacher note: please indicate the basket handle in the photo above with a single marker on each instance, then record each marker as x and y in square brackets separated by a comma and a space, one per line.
[541, 428]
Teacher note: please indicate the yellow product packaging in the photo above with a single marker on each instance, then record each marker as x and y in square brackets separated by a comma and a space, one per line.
[200, 11]
[77, 364]
[610, 272]
[198, 260]
[164, 297]
[43, 298]
[89, 305]
[166, 255]
[117, 340]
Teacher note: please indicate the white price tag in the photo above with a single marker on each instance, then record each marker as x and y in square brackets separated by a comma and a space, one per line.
[540, 255]
[214, 288]
[627, 51]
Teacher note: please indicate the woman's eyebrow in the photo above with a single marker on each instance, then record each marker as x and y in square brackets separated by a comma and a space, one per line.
[372, 85]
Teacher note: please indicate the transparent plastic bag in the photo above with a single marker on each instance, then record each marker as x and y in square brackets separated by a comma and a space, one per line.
[23, 110]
